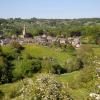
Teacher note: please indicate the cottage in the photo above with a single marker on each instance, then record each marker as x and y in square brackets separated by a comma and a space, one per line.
[5, 41]
[51, 39]
[76, 42]
[44, 36]
[62, 40]
[70, 40]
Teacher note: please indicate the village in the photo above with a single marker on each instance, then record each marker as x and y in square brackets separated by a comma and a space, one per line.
[43, 39]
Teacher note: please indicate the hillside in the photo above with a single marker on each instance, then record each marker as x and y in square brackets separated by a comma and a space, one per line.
[50, 59]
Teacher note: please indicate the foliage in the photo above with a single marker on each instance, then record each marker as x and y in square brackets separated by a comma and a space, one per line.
[16, 46]
[45, 87]
[26, 68]
[86, 54]
[5, 71]
[73, 64]
[50, 65]
[49, 89]
[87, 28]
[1, 95]
[88, 74]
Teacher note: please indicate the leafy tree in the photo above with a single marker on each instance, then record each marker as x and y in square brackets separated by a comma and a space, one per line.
[1, 95]
[36, 66]
[73, 64]
[16, 46]
[5, 71]
[86, 54]
[50, 65]
[57, 69]
[1, 51]
[26, 68]
[88, 74]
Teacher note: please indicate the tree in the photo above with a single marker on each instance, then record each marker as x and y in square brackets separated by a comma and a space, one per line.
[16, 46]
[73, 64]
[86, 54]
[50, 65]
[1, 95]
[5, 71]
[88, 74]
[26, 68]
[1, 51]
[57, 69]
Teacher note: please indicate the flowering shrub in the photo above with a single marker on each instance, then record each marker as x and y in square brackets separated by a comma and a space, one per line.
[44, 88]
[47, 88]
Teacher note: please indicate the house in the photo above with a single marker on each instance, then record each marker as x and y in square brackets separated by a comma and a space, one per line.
[75, 41]
[39, 40]
[51, 39]
[62, 40]
[44, 36]
[70, 39]
[5, 41]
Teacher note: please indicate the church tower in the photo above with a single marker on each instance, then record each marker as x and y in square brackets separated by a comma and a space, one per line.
[24, 31]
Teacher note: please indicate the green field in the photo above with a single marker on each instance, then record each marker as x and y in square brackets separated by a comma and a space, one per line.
[40, 51]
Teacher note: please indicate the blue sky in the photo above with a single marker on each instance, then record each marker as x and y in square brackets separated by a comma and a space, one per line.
[49, 8]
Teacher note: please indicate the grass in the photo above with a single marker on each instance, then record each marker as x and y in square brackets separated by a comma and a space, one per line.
[71, 79]
[41, 51]
[7, 89]
[80, 94]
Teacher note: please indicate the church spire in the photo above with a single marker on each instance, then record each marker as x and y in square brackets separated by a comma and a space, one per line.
[24, 31]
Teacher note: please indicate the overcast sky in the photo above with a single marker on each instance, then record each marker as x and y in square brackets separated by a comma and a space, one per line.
[49, 8]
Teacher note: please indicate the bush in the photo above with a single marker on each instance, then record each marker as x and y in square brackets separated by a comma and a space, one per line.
[47, 88]
[5, 71]
[86, 54]
[36, 66]
[50, 65]
[70, 48]
[0, 50]
[1, 95]
[57, 69]
[26, 68]
[88, 74]
[44, 88]
[73, 64]
[16, 46]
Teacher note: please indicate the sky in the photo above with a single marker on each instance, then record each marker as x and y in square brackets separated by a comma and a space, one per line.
[63, 9]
